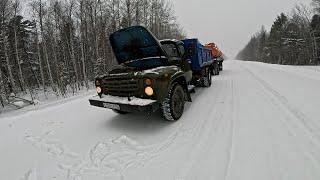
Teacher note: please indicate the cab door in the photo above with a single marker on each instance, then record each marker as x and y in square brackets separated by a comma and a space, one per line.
[177, 56]
[185, 63]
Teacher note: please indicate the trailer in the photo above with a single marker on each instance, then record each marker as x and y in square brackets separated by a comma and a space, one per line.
[202, 62]
[217, 54]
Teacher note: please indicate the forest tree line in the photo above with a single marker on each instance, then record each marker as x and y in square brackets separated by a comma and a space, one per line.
[293, 39]
[61, 45]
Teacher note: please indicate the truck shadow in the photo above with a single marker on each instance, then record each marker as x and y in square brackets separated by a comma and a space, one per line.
[138, 122]
[145, 123]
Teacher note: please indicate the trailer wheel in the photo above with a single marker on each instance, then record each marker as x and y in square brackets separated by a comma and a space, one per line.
[217, 70]
[120, 112]
[221, 66]
[207, 79]
[212, 70]
[173, 105]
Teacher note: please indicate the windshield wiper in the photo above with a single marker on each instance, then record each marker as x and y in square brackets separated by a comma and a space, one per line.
[135, 60]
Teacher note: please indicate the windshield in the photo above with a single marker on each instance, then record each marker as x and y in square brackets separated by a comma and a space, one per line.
[171, 50]
[191, 50]
[147, 63]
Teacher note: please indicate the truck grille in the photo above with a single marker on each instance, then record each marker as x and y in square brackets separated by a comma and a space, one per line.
[123, 87]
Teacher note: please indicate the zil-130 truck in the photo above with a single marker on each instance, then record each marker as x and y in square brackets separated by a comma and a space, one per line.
[153, 74]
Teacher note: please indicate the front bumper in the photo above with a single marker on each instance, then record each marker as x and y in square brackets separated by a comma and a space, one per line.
[124, 104]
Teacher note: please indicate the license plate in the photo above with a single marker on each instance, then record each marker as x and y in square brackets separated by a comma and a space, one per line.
[111, 106]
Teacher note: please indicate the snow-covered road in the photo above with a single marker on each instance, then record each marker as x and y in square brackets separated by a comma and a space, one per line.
[257, 121]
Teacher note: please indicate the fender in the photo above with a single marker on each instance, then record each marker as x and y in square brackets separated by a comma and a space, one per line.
[181, 79]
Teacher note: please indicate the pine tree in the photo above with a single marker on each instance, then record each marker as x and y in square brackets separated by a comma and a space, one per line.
[292, 44]
[262, 42]
[315, 31]
[275, 39]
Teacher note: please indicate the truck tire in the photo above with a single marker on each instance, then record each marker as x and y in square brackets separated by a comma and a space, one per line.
[217, 70]
[220, 66]
[120, 112]
[213, 71]
[173, 105]
[207, 79]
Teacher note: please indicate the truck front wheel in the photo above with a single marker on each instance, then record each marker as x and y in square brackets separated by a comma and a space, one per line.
[173, 105]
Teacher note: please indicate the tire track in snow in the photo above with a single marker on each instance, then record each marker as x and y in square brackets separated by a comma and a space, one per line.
[106, 158]
[50, 145]
[306, 121]
[304, 72]
[289, 131]
[208, 126]
[299, 115]
[303, 121]
[191, 130]
[234, 112]
[111, 157]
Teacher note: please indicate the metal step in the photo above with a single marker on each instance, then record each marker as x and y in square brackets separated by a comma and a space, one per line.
[191, 89]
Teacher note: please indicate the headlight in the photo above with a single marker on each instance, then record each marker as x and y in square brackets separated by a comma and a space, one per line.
[149, 91]
[148, 82]
[99, 90]
[98, 82]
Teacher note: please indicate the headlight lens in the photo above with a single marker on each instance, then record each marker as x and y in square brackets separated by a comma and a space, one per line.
[149, 91]
[99, 90]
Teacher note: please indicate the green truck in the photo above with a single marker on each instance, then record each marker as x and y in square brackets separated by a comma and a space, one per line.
[152, 74]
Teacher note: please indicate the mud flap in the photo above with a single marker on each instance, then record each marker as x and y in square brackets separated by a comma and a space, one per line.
[189, 89]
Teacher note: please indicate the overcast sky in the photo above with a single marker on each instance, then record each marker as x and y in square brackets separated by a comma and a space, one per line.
[229, 23]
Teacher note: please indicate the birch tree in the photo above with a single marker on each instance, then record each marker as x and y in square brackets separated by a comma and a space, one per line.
[16, 24]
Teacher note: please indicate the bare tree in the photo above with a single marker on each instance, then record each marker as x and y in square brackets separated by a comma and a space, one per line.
[69, 44]
[41, 14]
[82, 41]
[5, 6]
[16, 6]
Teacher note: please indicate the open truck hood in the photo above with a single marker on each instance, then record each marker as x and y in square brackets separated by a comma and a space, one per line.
[135, 43]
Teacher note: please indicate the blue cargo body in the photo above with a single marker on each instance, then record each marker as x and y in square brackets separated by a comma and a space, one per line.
[199, 55]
